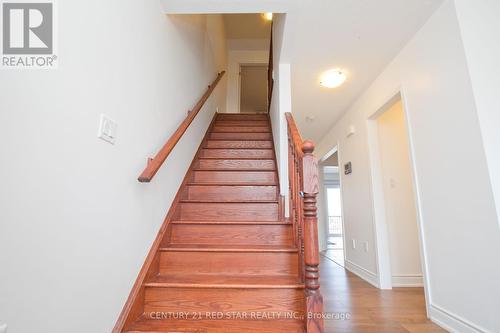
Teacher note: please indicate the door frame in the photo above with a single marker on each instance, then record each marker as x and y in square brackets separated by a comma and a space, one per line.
[380, 224]
[333, 150]
[248, 64]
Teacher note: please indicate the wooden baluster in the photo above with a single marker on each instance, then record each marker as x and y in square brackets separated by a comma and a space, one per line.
[314, 300]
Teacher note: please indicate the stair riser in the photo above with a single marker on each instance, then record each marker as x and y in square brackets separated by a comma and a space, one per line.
[229, 211]
[223, 300]
[242, 117]
[241, 129]
[242, 123]
[235, 165]
[240, 144]
[237, 153]
[231, 263]
[234, 177]
[241, 136]
[231, 193]
[213, 234]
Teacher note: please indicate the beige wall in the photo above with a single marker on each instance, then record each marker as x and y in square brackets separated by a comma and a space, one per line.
[399, 198]
[235, 58]
[253, 94]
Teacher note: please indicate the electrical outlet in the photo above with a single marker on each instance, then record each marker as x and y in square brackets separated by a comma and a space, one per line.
[365, 246]
[353, 243]
[3, 328]
[107, 129]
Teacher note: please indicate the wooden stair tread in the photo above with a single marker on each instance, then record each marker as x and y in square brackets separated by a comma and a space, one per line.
[229, 222]
[227, 248]
[228, 201]
[218, 281]
[225, 139]
[148, 325]
[231, 184]
[225, 245]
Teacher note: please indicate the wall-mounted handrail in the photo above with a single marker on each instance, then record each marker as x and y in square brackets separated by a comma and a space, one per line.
[155, 163]
[270, 80]
[304, 187]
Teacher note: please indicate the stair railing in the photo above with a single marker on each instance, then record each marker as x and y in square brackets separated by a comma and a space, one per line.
[155, 163]
[304, 187]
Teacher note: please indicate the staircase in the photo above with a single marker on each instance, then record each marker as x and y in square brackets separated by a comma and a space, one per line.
[225, 260]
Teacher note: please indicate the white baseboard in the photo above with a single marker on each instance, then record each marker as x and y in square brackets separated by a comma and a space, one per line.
[452, 322]
[408, 280]
[363, 273]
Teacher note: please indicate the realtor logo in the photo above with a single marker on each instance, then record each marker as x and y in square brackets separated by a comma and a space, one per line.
[28, 34]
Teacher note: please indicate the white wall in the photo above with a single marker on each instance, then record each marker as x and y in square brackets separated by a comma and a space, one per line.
[235, 58]
[281, 103]
[461, 237]
[75, 225]
[480, 26]
[399, 198]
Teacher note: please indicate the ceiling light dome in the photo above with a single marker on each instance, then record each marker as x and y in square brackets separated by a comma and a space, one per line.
[333, 78]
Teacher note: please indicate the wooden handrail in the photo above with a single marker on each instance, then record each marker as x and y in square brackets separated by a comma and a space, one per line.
[270, 80]
[304, 187]
[294, 133]
[155, 163]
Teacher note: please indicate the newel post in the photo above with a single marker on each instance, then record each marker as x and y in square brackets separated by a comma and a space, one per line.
[314, 300]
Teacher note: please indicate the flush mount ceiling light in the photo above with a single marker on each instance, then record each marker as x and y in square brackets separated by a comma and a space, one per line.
[268, 16]
[332, 78]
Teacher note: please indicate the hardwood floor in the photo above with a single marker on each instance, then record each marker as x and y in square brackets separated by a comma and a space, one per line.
[368, 309]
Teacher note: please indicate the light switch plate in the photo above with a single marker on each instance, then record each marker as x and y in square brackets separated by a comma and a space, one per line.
[107, 129]
[365, 246]
[353, 243]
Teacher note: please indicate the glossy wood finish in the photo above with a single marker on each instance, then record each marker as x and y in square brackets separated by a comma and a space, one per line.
[224, 245]
[235, 164]
[241, 136]
[240, 144]
[133, 308]
[249, 234]
[155, 163]
[146, 324]
[237, 153]
[235, 177]
[231, 193]
[304, 187]
[369, 309]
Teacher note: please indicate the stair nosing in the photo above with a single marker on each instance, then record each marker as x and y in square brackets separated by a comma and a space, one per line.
[234, 158]
[244, 170]
[243, 249]
[242, 148]
[228, 201]
[222, 285]
[233, 184]
[216, 139]
[230, 222]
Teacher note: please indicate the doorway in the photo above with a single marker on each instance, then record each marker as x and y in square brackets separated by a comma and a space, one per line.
[334, 220]
[253, 88]
[396, 215]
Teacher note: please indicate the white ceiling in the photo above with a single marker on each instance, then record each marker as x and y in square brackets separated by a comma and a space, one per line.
[361, 36]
